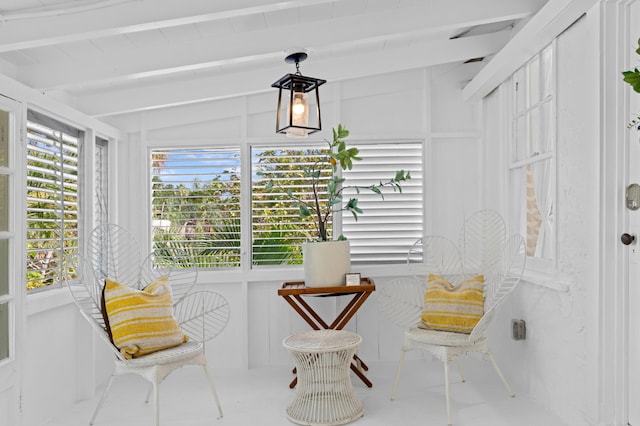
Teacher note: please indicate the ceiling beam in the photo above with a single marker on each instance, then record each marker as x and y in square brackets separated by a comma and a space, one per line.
[16, 90]
[428, 18]
[131, 17]
[181, 92]
[552, 19]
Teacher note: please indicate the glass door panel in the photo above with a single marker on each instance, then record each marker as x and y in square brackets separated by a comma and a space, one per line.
[4, 331]
[4, 138]
[4, 267]
[4, 203]
[10, 306]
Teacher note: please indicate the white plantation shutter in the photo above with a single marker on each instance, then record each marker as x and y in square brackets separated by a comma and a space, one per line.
[278, 231]
[52, 200]
[388, 226]
[382, 234]
[196, 205]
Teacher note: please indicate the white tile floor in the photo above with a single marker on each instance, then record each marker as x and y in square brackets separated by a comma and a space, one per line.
[259, 397]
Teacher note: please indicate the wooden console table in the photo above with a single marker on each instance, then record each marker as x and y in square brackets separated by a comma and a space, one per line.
[293, 293]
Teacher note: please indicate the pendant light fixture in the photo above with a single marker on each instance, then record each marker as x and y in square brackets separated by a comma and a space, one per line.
[298, 112]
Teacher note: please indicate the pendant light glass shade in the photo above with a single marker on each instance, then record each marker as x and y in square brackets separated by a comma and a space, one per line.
[298, 112]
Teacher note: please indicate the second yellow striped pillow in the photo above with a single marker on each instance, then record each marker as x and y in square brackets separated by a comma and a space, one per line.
[142, 321]
[453, 308]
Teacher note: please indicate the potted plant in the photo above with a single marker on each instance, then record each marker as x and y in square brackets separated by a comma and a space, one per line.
[327, 260]
[633, 78]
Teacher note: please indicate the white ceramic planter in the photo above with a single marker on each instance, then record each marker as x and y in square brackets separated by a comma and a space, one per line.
[326, 263]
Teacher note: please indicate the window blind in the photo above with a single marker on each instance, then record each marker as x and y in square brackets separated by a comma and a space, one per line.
[52, 202]
[383, 234]
[196, 205]
[278, 231]
[390, 223]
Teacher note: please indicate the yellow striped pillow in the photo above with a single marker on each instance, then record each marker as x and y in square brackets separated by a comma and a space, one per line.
[142, 321]
[453, 308]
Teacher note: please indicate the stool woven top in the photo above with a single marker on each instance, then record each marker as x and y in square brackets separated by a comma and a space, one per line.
[319, 341]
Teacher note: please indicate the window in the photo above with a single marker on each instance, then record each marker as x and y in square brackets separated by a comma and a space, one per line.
[52, 198]
[383, 234]
[532, 152]
[101, 208]
[196, 205]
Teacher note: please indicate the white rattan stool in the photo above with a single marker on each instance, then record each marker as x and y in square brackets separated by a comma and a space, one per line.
[324, 394]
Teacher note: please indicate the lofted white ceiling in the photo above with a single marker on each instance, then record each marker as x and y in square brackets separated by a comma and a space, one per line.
[111, 57]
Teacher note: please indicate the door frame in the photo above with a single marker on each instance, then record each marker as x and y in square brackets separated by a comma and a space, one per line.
[612, 347]
[11, 368]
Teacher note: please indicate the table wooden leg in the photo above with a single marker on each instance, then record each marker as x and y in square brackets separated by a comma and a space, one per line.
[309, 309]
[360, 374]
[361, 363]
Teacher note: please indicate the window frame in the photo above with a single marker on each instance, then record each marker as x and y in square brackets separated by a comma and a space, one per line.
[245, 145]
[339, 220]
[516, 166]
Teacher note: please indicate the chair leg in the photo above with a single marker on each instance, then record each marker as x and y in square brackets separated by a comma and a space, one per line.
[156, 401]
[213, 389]
[459, 370]
[149, 392]
[495, 365]
[398, 370]
[446, 391]
[102, 399]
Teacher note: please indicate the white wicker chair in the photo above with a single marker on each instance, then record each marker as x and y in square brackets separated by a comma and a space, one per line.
[401, 301]
[481, 238]
[114, 253]
[202, 315]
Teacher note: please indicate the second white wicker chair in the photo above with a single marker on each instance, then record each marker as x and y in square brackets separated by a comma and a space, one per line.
[402, 300]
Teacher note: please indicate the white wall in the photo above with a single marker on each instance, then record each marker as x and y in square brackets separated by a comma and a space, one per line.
[556, 364]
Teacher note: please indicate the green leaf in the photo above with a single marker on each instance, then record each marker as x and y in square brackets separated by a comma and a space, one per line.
[400, 176]
[304, 211]
[633, 79]
[351, 204]
[269, 186]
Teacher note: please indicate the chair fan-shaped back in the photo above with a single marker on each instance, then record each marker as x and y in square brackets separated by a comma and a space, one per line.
[481, 238]
[202, 314]
[87, 293]
[115, 254]
[401, 301]
[435, 255]
[500, 284]
[181, 272]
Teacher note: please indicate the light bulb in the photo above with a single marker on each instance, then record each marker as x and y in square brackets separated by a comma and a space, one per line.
[299, 115]
[298, 108]
[299, 104]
